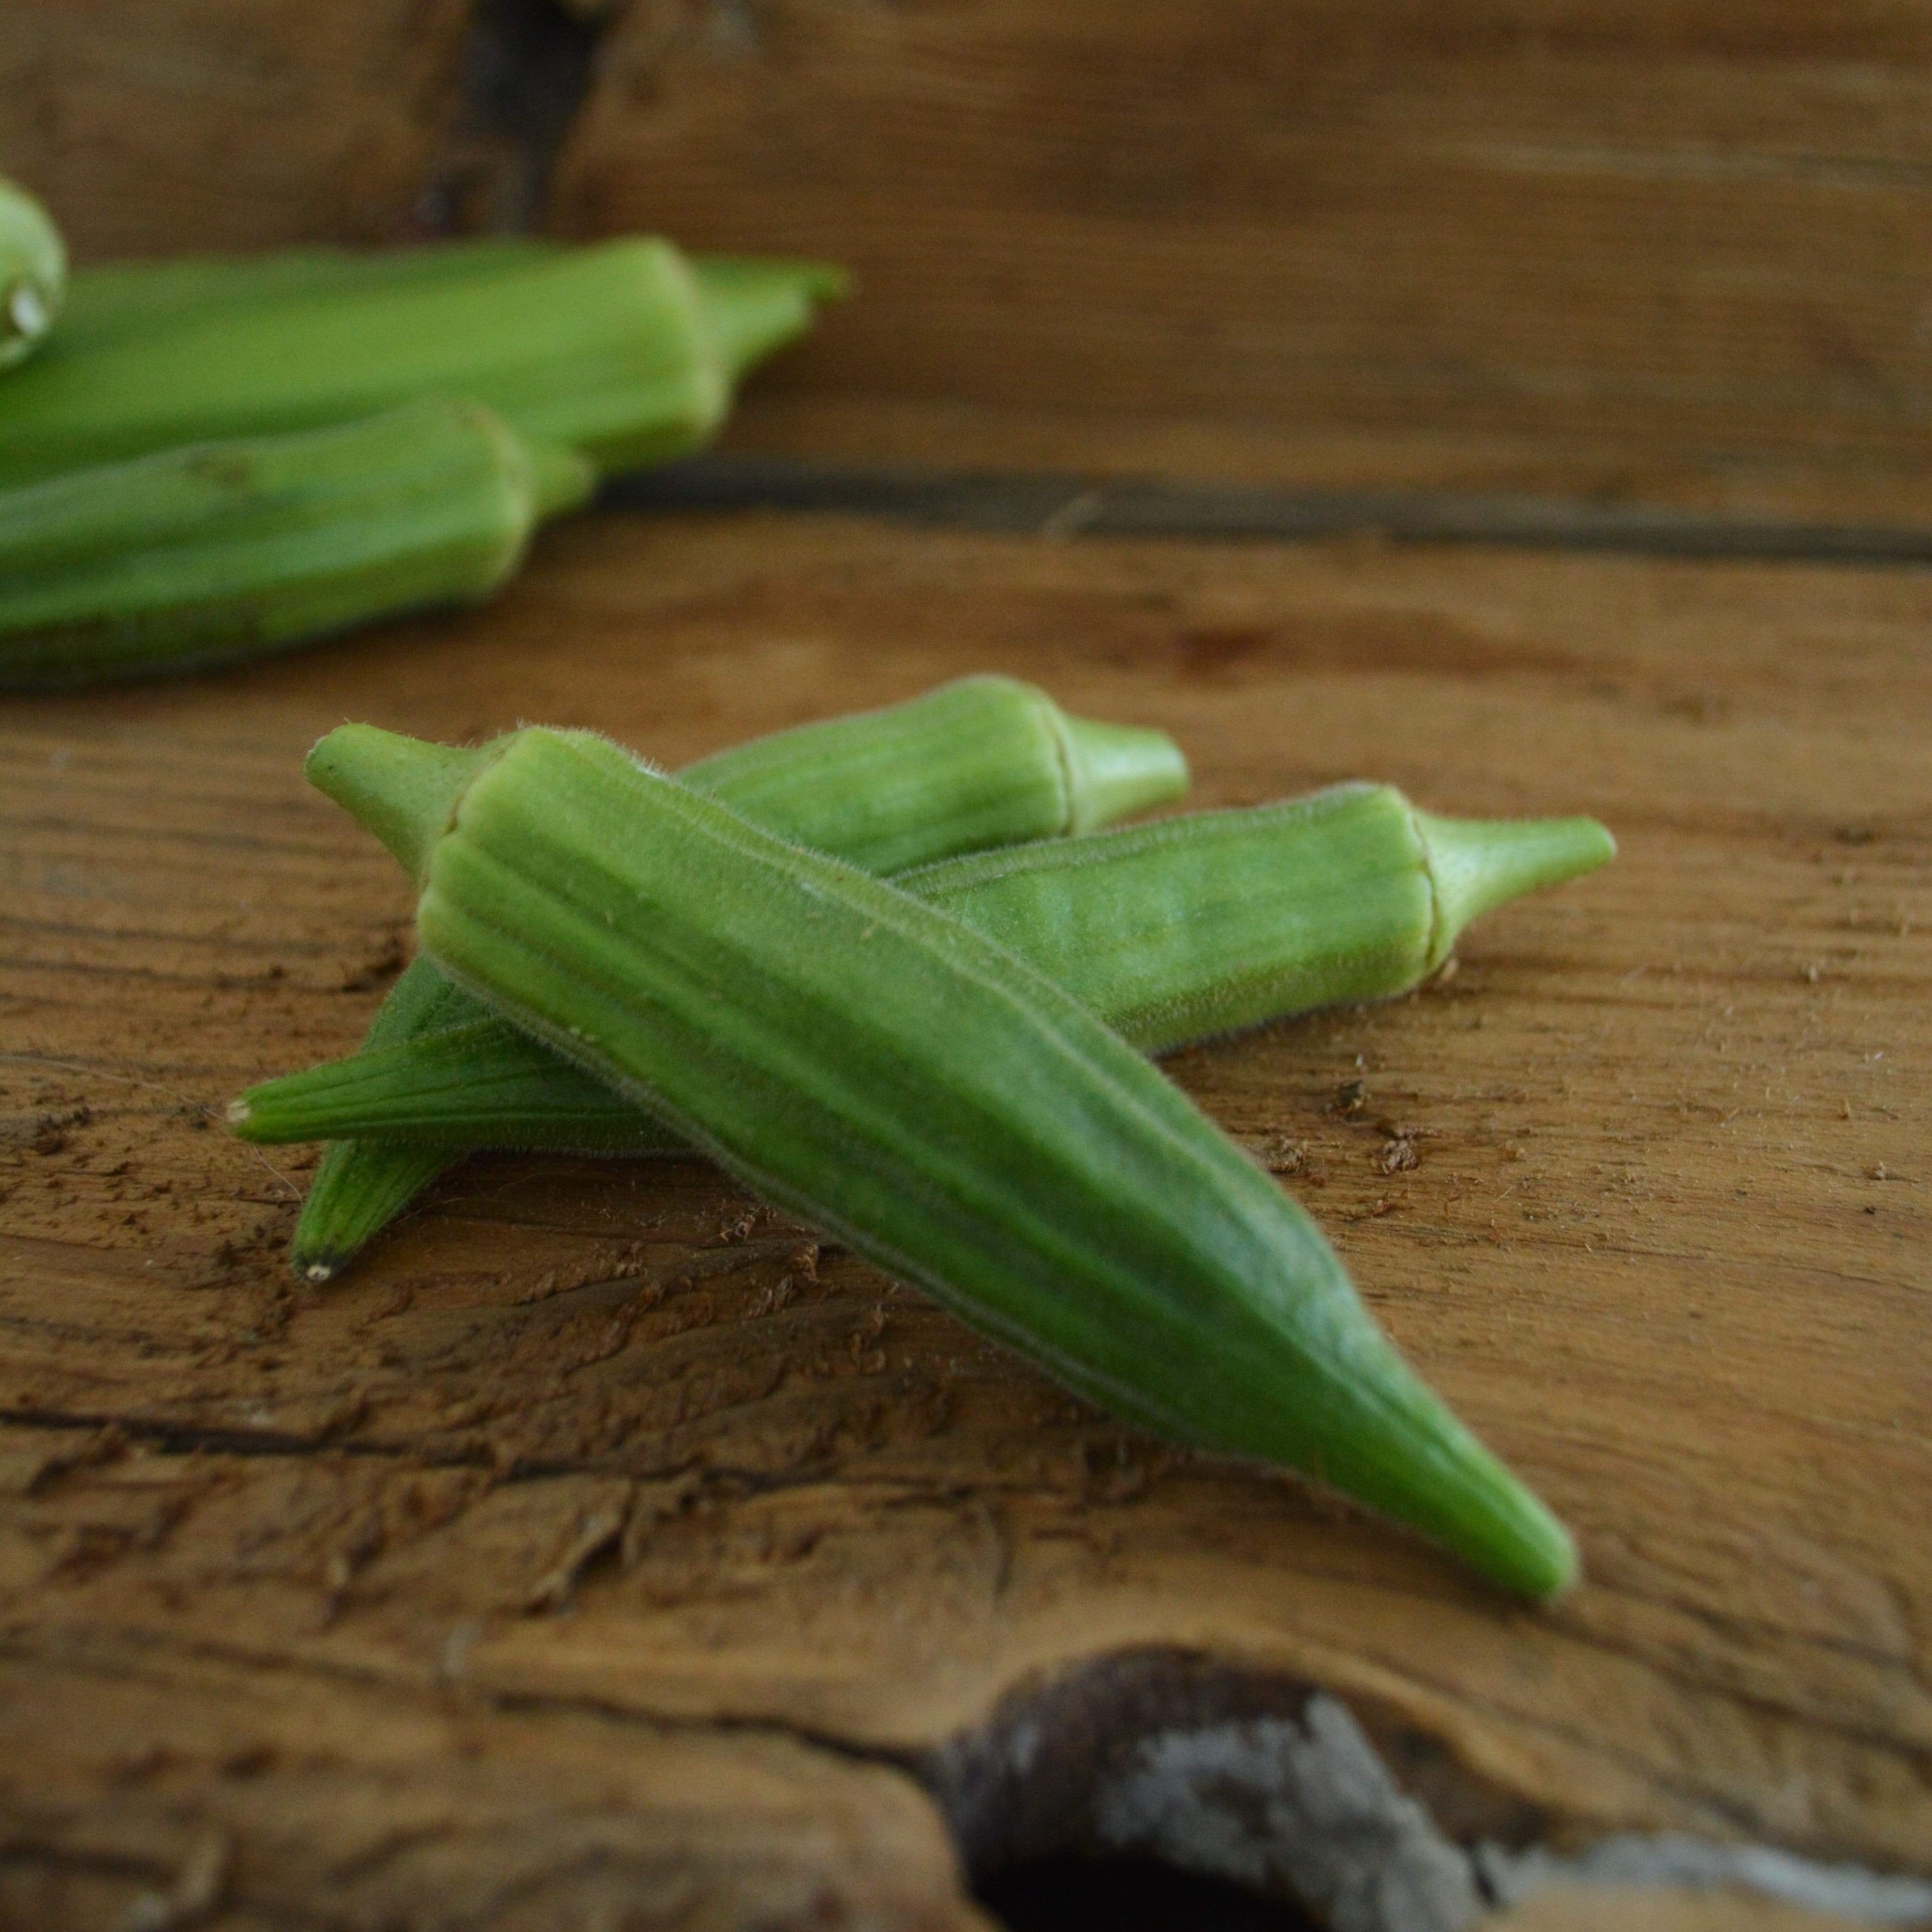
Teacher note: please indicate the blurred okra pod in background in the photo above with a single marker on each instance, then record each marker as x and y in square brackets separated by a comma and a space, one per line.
[33, 273]
[863, 1060]
[618, 351]
[114, 302]
[220, 550]
[1167, 932]
[755, 305]
[985, 761]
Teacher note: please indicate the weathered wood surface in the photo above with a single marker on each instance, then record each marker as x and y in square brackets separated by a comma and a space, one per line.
[154, 127]
[1630, 248]
[607, 1539]
[1620, 250]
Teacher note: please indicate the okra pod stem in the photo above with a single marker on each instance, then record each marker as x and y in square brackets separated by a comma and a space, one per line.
[1167, 932]
[616, 351]
[199, 556]
[33, 273]
[869, 1063]
[981, 762]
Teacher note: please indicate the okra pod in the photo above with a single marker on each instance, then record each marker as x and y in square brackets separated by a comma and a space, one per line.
[754, 303]
[877, 1067]
[124, 301]
[981, 762]
[199, 556]
[1168, 933]
[616, 351]
[33, 273]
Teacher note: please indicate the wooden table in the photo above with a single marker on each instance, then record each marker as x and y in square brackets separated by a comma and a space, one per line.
[608, 1549]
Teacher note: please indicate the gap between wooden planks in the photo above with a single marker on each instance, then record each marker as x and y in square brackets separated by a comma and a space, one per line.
[593, 1457]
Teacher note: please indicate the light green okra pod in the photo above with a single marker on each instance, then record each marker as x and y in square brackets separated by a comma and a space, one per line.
[112, 302]
[1168, 932]
[755, 305]
[863, 1060]
[222, 550]
[33, 273]
[985, 761]
[616, 351]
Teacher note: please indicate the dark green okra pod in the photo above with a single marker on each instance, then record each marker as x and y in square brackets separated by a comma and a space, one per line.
[222, 550]
[1168, 932]
[864, 1060]
[33, 273]
[982, 762]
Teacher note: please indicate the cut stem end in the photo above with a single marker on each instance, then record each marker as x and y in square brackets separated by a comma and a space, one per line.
[1115, 770]
[1476, 865]
[404, 791]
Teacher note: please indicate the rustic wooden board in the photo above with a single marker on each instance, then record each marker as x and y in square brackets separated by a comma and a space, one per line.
[1639, 246]
[153, 127]
[606, 1539]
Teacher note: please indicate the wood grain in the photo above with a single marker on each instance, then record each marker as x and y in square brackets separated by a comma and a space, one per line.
[606, 1532]
[159, 126]
[1643, 245]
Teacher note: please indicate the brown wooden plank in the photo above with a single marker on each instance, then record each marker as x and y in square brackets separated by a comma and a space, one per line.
[159, 126]
[170, 1789]
[605, 1437]
[1646, 245]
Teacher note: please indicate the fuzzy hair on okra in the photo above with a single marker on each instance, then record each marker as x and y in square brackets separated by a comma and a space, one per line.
[863, 1060]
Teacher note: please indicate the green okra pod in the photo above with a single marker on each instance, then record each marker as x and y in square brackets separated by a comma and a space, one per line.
[862, 1059]
[984, 761]
[754, 303]
[33, 273]
[1167, 932]
[130, 300]
[199, 556]
[617, 351]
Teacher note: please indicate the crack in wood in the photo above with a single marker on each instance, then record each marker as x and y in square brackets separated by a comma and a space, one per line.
[525, 69]
[1279, 1786]
[1063, 507]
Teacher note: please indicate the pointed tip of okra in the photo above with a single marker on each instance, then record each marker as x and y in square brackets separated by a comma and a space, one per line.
[1405, 1454]
[1527, 1549]
[1476, 865]
[402, 789]
[1115, 770]
[756, 305]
